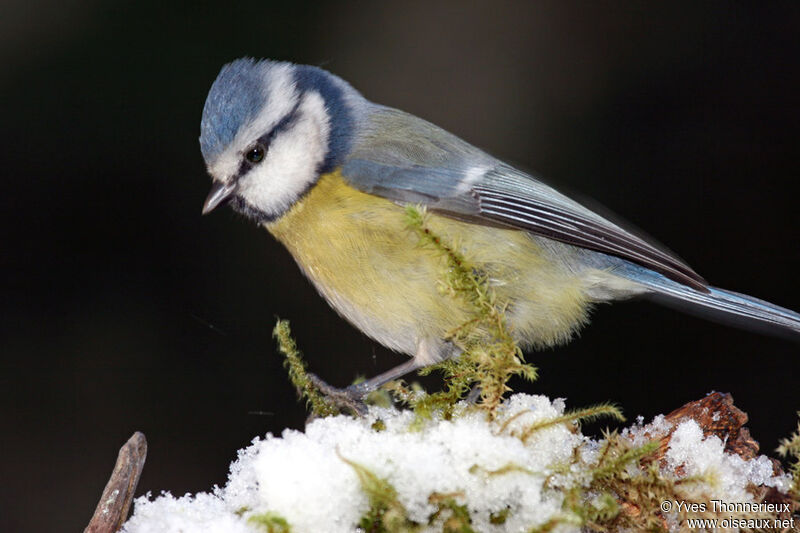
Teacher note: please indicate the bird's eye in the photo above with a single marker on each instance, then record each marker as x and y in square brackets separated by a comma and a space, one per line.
[255, 154]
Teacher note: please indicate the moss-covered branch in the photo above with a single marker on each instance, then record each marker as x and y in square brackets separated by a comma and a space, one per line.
[317, 403]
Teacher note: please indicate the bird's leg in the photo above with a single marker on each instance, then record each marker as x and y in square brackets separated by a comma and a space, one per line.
[365, 387]
[428, 352]
[474, 395]
[352, 397]
[341, 398]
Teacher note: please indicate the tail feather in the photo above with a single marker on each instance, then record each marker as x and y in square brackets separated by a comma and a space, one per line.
[718, 305]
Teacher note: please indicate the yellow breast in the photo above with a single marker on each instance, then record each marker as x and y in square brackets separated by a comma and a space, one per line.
[356, 250]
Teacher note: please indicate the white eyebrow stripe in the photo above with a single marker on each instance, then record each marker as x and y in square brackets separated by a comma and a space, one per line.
[279, 84]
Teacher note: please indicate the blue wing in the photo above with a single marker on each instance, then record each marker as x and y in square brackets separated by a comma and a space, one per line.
[408, 160]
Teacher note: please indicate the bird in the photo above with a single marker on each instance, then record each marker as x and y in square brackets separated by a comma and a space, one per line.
[329, 173]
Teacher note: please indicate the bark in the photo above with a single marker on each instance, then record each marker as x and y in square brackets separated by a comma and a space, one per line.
[115, 503]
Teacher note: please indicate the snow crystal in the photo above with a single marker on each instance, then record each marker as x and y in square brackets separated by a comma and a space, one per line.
[705, 456]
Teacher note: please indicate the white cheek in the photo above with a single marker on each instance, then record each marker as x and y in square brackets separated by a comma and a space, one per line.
[293, 160]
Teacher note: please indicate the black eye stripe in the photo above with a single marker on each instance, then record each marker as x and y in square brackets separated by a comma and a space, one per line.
[265, 140]
[282, 125]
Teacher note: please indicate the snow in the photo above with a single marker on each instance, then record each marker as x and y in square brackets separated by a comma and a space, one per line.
[705, 457]
[304, 477]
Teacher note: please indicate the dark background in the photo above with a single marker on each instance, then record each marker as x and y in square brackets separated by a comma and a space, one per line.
[123, 309]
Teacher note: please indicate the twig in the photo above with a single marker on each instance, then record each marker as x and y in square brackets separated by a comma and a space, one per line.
[112, 510]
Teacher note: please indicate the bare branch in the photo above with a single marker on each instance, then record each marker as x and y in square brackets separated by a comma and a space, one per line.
[112, 510]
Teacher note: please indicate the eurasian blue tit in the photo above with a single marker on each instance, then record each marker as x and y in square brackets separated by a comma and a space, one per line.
[328, 173]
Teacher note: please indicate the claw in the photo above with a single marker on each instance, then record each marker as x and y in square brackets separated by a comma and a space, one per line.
[350, 398]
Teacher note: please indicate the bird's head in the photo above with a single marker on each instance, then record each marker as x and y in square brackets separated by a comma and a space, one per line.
[269, 130]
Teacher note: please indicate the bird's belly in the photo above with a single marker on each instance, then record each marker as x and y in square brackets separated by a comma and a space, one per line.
[357, 250]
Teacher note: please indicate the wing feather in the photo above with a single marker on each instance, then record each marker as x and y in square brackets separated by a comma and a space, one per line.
[406, 159]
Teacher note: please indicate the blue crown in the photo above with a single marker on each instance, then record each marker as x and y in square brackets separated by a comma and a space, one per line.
[235, 98]
[239, 93]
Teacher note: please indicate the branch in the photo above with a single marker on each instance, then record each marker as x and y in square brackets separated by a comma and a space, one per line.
[112, 510]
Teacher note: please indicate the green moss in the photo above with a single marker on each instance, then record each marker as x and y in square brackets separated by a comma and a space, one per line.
[586, 414]
[554, 522]
[381, 397]
[498, 518]
[620, 497]
[271, 522]
[298, 375]
[490, 356]
[505, 469]
[790, 447]
[453, 517]
[386, 514]
[616, 456]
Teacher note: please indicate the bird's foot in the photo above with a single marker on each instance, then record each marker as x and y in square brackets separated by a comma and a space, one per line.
[349, 399]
